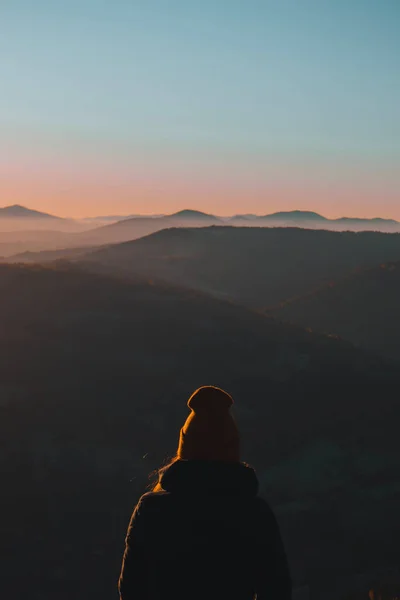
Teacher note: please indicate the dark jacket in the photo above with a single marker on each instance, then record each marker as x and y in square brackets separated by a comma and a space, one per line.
[207, 536]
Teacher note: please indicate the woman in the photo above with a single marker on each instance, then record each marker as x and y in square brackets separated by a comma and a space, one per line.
[203, 532]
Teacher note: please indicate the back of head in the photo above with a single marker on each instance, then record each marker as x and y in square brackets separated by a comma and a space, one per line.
[210, 431]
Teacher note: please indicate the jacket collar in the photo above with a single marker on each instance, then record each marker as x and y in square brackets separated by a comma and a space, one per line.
[209, 478]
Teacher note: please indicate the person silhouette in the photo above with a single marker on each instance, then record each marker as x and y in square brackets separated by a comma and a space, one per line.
[203, 531]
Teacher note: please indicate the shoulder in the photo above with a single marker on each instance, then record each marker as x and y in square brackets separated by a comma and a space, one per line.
[151, 500]
[147, 506]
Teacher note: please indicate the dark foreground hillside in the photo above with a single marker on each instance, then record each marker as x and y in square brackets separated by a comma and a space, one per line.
[258, 267]
[362, 307]
[94, 377]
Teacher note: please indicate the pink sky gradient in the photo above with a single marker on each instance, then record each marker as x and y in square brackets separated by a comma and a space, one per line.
[90, 187]
[152, 107]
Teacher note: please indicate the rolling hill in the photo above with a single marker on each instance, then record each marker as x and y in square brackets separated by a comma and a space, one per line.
[361, 307]
[16, 211]
[48, 256]
[313, 220]
[18, 245]
[17, 242]
[95, 372]
[23, 235]
[99, 231]
[193, 215]
[258, 267]
[108, 219]
[134, 228]
[294, 218]
[376, 222]
[20, 223]
[295, 215]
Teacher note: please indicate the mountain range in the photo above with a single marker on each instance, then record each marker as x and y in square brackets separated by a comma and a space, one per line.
[17, 211]
[296, 218]
[299, 216]
[257, 267]
[361, 307]
[338, 283]
[24, 230]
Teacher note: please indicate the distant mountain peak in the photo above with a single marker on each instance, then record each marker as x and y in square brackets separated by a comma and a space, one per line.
[296, 214]
[245, 217]
[367, 220]
[192, 214]
[18, 211]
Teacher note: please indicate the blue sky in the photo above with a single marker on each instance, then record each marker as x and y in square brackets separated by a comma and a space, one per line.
[310, 84]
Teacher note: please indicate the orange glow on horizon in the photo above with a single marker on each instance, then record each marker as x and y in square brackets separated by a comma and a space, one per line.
[89, 190]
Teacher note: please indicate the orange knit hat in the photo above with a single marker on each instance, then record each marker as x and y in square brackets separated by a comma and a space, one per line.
[210, 431]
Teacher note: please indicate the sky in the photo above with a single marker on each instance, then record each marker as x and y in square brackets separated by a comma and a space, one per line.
[227, 106]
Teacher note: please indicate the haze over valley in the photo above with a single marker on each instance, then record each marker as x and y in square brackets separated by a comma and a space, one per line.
[25, 230]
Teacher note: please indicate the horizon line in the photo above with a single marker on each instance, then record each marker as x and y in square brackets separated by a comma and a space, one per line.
[222, 216]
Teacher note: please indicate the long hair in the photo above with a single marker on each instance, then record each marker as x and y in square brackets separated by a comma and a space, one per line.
[155, 476]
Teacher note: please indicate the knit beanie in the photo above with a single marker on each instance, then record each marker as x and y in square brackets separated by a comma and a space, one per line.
[210, 431]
